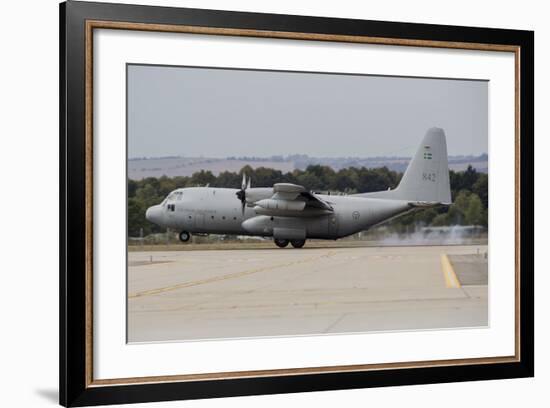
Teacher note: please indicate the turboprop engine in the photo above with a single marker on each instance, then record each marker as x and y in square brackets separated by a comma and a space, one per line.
[283, 205]
[249, 196]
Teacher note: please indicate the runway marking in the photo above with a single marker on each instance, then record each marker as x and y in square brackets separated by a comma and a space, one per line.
[224, 277]
[146, 263]
[399, 304]
[451, 281]
[336, 322]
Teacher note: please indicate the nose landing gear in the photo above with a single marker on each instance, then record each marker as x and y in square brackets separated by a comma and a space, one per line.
[184, 236]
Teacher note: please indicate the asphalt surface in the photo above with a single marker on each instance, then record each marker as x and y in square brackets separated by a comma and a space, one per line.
[214, 294]
[471, 269]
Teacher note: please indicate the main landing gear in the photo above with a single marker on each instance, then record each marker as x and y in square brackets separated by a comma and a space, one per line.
[185, 236]
[296, 243]
[281, 243]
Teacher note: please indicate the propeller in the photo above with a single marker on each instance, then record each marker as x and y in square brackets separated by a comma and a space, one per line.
[241, 194]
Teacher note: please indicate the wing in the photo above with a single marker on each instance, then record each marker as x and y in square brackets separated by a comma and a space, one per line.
[292, 200]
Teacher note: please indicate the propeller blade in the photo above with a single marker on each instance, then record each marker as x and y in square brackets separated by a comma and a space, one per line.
[241, 194]
[243, 184]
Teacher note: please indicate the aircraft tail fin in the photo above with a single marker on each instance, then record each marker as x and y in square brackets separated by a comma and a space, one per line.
[426, 179]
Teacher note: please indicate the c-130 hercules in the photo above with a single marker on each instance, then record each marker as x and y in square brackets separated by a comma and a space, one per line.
[290, 213]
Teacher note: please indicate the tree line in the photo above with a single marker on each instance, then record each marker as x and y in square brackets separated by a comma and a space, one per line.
[469, 191]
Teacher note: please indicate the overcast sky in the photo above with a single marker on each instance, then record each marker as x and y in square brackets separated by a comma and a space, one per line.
[179, 111]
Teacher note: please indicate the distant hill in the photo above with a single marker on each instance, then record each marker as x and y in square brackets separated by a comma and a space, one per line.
[140, 168]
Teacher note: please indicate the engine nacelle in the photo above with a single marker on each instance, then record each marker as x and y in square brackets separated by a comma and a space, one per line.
[260, 225]
[281, 205]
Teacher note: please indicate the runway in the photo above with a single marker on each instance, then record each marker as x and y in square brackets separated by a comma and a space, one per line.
[189, 295]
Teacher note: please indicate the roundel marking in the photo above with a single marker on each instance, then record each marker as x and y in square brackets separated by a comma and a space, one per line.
[355, 215]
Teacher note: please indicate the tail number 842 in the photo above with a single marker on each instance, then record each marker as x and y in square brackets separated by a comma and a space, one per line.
[428, 177]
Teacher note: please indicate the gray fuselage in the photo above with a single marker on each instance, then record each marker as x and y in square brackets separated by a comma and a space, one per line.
[210, 210]
[288, 211]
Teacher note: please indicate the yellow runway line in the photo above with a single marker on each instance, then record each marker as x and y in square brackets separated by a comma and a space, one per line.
[218, 278]
[451, 281]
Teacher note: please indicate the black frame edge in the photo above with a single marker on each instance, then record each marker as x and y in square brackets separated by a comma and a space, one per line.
[527, 197]
[300, 383]
[62, 208]
[72, 204]
[72, 387]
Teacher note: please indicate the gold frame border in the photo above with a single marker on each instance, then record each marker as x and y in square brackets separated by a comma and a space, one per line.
[93, 24]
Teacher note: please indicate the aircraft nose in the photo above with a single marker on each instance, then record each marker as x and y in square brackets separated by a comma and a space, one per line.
[153, 214]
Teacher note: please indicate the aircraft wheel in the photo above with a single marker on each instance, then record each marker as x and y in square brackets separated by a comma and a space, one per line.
[298, 243]
[185, 236]
[281, 243]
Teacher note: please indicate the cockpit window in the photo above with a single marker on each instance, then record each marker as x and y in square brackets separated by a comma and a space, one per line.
[173, 196]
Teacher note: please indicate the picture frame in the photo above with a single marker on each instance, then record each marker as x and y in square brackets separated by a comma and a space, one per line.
[79, 21]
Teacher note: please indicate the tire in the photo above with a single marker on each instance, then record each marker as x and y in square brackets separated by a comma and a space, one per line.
[184, 236]
[298, 243]
[281, 243]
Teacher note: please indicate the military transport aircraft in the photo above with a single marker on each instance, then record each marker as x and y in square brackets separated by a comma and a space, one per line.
[290, 213]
